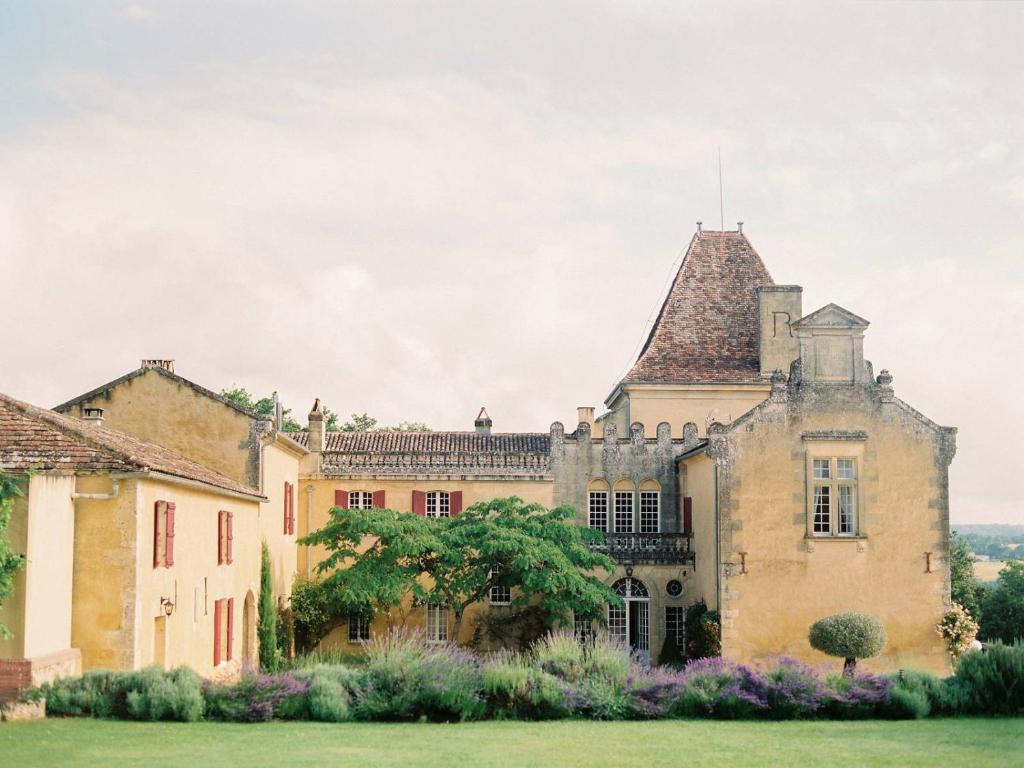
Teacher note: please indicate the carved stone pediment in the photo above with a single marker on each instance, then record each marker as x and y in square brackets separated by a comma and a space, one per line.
[831, 316]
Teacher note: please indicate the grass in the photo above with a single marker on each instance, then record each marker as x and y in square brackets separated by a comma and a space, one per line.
[55, 743]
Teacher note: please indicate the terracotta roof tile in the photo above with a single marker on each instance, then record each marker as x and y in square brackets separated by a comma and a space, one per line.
[707, 329]
[35, 438]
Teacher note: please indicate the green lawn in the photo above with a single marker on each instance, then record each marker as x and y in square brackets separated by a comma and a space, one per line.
[959, 742]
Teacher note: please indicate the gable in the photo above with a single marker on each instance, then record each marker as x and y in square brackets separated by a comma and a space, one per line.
[831, 316]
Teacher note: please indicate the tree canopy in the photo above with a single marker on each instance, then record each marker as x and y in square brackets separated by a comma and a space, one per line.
[1002, 605]
[849, 636]
[964, 589]
[379, 559]
[10, 562]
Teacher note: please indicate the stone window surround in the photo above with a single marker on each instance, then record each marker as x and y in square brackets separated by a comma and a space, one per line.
[600, 485]
[834, 445]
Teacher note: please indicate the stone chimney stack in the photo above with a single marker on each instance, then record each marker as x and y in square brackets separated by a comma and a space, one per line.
[585, 415]
[778, 308]
[167, 365]
[316, 428]
[483, 422]
[93, 416]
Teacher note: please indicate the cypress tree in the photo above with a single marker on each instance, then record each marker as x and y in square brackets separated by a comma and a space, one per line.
[267, 630]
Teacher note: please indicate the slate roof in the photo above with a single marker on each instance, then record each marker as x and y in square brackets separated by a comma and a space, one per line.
[466, 453]
[707, 329]
[35, 438]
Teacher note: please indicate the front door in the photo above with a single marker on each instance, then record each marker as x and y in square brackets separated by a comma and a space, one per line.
[631, 624]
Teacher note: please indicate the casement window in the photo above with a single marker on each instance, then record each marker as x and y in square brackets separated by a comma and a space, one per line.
[598, 510]
[623, 512]
[833, 497]
[437, 623]
[650, 512]
[223, 630]
[500, 595]
[163, 534]
[675, 625]
[358, 629]
[360, 500]
[289, 509]
[225, 537]
[438, 504]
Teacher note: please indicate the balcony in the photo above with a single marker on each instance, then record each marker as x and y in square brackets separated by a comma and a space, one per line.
[647, 548]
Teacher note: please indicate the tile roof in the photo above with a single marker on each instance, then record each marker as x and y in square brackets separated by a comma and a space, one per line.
[707, 329]
[466, 453]
[35, 438]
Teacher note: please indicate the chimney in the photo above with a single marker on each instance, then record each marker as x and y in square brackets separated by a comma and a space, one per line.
[483, 422]
[93, 416]
[167, 365]
[316, 428]
[585, 415]
[778, 307]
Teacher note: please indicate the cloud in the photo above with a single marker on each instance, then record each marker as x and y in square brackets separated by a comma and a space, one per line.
[139, 14]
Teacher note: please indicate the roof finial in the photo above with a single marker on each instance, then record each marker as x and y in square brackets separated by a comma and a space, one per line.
[699, 223]
[739, 227]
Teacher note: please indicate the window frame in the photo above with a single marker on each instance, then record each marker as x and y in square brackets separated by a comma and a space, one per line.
[433, 626]
[594, 495]
[500, 589]
[360, 499]
[361, 626]
[657, 510]
[629, 494]
[680, 625]
[442, 504]
[824, 483]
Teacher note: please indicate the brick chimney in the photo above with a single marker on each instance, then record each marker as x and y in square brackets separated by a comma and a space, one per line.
[316, 428]
[167, 365]
[483, 422]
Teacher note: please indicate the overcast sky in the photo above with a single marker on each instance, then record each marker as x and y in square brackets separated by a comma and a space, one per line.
[417, 209]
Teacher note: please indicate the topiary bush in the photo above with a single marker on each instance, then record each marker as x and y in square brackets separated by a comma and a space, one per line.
[849, 636]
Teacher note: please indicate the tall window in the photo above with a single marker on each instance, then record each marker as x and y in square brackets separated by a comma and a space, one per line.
[289, 509]
[675, 625]
[500, 595]
[438, 504]
[598, 517]
[225, 537]
[163, 534]
[437, 623]
[358, 629]
[649, 512]
[360, 500]
[834, 500]
[223, 630]
[582, 628]
[623, 511]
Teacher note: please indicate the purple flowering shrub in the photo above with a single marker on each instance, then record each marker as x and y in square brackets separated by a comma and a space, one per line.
[258, 697]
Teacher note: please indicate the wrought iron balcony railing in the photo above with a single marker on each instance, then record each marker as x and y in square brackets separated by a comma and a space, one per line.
[648, 548]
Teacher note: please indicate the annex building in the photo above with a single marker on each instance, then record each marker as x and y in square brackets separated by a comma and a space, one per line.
[751, 458]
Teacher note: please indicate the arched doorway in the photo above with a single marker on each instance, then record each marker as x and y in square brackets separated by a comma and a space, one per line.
[631, 624]
[249, 630]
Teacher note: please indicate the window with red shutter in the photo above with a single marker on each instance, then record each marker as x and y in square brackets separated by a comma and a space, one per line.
[158, 532]
[341, 499]
[454, 503]
[169, 544]
[687, 515]
[378, 500]
[291, 509]
[231, 627]
[220, 538]
[217, 608]
[285, 508]
[419, 502]
[229, 537]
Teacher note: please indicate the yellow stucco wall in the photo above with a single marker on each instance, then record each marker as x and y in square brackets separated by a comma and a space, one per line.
[699, 484]
[280, 465]
[679, 404]
[118, 592]
[161, 410]
[794, 580]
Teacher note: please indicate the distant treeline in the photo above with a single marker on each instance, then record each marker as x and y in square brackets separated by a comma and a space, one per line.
[999, 542]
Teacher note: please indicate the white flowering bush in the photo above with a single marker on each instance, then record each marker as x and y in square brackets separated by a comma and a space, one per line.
[958, 628]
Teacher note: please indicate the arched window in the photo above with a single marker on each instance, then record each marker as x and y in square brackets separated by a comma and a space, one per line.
[597, 505]
[650, 507]
[631, 588]
[623, 492]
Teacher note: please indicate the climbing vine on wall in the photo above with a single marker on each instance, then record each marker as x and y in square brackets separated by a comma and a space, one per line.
[10, 562]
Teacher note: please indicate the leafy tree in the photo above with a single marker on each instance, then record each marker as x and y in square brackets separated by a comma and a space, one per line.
[964, 588]
[267, 629]
[10, 562]
[1002, 606]
[542, 554]
[241, 397]
[849, 636]
[363, 422]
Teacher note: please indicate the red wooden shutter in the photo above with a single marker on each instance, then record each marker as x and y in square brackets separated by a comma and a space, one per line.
[378, 500]
[286, 508]
[419, 502]
[169, 546]
[341, 499]
[291, 509]
[220, 538]
[156, 534]
[687, 515]
[230, 520]
[454, 503]
[216, 631]
[231, 626]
